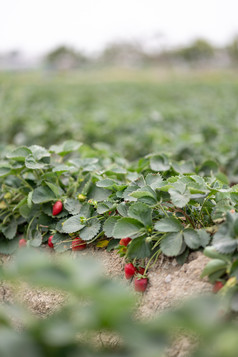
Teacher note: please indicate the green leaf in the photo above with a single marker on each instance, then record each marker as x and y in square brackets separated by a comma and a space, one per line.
[104, 207]
[181, 259]
[106, 183]
[43, 194]
[159, 163]
[141, 212]
[91, 229]
[139, 248]
[179, 199]
[4, 171]
[127, 227]
[61, 242]
[19, 154]
[10, 230]
[112, 244]
[99, 194]
[72, 206]
[213, 266]
[211, 252]
[8, 246]
[145, 194]
[122, 209]
[204, 237]
[109, 225]
[170, 224]
[171, 244]
[56, 189]
[31, 163]
[191, 238]
[154, 180]
[35, 238]
[184, 167]
[73, 224]
[66, 147]
[39, 152]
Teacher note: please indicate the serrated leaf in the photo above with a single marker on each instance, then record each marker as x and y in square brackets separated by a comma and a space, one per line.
[159, 163]
[212, 253]
[213, 266]
[91, 229]
[154, 180]
[56, 189]
[122, 209]
[204, 237]
[171, 244]
[43, 194]
[179, 199]
[127, 227]
[139, 248]
[106, 183]
[35, 238]
[61, 242]
[66, 147]
[72, 206]
[141, 212]
[31, 163]
[10, 230]
[191, 238]
[225, 245]
[39, 152]
[99, 194]
[19, 154]
[128, 191]
[104, 207]
[73, 224]
[170, 224]
[109, 225]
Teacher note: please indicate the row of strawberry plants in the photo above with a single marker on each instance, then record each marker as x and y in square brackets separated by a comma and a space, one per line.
[73, 192]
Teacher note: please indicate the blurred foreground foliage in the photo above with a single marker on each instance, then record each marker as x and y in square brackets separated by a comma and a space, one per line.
[96, 305]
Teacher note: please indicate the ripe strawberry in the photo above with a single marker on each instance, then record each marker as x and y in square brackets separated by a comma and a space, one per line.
[22, 243]
[57, 208]
[140, 284]
[50, 244]
[217, 286]
[125, 241]
[78, 244]
[141, 270]
[129, 270]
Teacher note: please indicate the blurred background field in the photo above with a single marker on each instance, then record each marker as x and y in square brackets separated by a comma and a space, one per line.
[187, 114]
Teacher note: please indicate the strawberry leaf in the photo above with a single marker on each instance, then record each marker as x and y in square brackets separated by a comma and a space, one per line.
[73, 224]
[127, 227]
[170, 224]
[171, 244]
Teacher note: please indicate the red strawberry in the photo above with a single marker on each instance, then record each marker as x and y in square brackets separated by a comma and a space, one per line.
[78, 244]
[129, 270]
[141, 270]
[57, 208]
[217, 286]
[140, 284]
[22, 243]
[125, 241]
[50, 244]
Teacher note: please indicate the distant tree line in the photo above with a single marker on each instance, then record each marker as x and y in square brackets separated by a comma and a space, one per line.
[132, 54]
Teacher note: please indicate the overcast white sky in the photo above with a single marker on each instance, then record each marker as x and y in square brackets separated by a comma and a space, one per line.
[35, 26]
